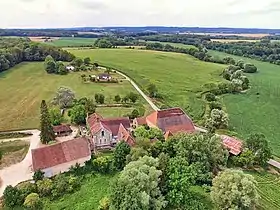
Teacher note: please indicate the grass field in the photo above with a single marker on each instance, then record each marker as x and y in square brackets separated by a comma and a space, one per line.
[72, 42]
[268, 189]
[93, 189]
[180, 78]
[113, 111]
[258, 110]
[23, 87]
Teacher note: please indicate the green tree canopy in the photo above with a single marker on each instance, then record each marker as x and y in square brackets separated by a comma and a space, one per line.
[47, 133]
[119, 155]
[64, 97]
[148, 133]
[78, 114]
[32, 201]
[258, 144]
[137, 187]
[56, 117]
[234, 190]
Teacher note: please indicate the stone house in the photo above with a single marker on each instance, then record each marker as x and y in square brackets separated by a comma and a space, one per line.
[104, 133]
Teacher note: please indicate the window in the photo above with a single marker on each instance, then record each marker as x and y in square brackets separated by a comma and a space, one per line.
[100, 141]
[102, 133]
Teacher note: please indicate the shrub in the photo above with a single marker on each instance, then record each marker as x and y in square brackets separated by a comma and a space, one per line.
[38, 175]
[32, 201]
[45, 187]
[210, 97]
[12, 197]
[102, 165]
[104, 204]
[215, 105]
[250, 68]
[26, 188]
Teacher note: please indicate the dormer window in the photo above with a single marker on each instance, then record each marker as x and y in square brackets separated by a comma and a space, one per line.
[102, 133]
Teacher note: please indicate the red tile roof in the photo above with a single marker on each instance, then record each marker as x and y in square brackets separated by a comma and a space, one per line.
[62, 128]
[232, 144]
[174, 120]
[124, 135]
[141, 121]
[63, 152]
[96, 122]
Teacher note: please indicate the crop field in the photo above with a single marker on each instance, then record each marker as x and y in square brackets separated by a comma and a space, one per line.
[180, 78]
[268, 189]
[93, 189]
[23, 87]
[71, 42]
[258, 110]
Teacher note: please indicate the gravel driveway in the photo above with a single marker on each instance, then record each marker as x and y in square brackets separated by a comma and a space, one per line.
[20, 172]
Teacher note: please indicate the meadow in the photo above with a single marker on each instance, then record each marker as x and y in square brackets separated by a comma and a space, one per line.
[268, 189]
[72, 42]
[180, 78]
[23, 87]
[93, 189]
[258, 110]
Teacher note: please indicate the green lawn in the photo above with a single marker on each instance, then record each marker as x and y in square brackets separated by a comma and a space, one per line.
[72, 42]
[268, 189]
[113, 111]
[180, 78]
[258, 110]
[93, 189]
[23, 87]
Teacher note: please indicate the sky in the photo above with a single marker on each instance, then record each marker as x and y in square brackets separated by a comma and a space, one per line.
[87, 13]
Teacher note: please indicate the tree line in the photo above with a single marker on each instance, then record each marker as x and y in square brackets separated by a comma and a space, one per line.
[16, 50]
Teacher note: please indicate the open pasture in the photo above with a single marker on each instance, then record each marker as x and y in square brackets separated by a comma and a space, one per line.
[180, 78]
[258, 110]
[23, 87]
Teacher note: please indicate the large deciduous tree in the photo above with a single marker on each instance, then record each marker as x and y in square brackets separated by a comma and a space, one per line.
[218, 120]
[47, 133]
[258, 144]
[148, 133]
[234, 190]
[120, 153]
[64, 97]
[78, 114]
[137, 186]
[50, 64]
[56, 117]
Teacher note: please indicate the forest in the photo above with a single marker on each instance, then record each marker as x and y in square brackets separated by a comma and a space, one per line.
[16, 50]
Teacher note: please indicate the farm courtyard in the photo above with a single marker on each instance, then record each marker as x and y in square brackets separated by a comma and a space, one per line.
[23, 87]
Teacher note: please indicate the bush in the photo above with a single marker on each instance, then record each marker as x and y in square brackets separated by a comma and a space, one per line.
[12, 197]
[44, 187]
[104, 204]
[26, 188]
[215, 105]
[38, 175]
[103, 165]
[250, 68]
[32, 201]
[210, 97]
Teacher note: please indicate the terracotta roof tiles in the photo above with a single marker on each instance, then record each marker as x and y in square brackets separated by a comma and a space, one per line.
[232, 144]
[63, 152]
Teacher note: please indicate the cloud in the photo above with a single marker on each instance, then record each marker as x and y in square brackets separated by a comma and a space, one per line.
[91, 4]
[74, 13]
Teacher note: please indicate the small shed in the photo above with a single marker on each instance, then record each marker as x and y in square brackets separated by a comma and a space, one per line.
[62, 130]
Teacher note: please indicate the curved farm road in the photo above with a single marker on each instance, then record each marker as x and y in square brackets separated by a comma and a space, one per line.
[20, 172]
[200, 129]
